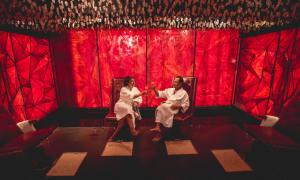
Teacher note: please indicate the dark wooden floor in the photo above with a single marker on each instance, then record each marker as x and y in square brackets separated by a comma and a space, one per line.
[150, 160]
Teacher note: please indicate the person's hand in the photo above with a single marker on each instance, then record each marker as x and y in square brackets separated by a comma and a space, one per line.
[135, 104]
[144, 92]
[140, 94]
[174, 107]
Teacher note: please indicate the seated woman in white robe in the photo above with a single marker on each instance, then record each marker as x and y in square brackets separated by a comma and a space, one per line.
[130, 99]
[177, 100]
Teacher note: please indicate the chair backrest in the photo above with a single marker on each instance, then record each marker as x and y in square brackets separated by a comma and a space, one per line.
[190, 85]
[117, 84]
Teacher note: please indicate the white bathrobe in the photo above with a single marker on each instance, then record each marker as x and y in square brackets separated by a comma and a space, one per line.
[164, 114]
[124, 104]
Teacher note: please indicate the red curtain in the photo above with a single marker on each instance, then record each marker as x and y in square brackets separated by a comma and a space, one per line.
[169, 53]
[27, 76]
[122, 53]
[215, 66]
[267, 71]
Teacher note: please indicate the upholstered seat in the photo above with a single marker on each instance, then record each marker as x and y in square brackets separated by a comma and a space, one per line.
[24, 142]
[117, 84]
[13, 140]
[190, 84]
[272, 138]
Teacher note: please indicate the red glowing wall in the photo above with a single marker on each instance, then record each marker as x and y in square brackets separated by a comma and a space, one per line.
[149, 55]
[169, 53]
[121, 53]
[77, 68]
[215, 66]
[268, 75]
[84, 62]
[27, 83]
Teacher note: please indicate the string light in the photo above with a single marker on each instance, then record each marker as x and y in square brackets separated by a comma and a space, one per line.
[60, 15]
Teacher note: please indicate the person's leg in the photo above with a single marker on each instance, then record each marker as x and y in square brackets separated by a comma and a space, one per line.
[121, 123]
[129, 120]
[156, 128]
[158, 117]
[157, 137]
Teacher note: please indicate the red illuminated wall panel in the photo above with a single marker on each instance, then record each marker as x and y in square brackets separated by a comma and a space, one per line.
[215, 66]
[122, 53]
[170, 53]
[27, 76]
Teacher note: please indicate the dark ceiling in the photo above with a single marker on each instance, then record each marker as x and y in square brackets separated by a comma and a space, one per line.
[61, 15]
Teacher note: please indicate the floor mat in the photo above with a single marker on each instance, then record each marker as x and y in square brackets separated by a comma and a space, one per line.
[118, 149]
[231, 161]
[180, 147]
[67, 164]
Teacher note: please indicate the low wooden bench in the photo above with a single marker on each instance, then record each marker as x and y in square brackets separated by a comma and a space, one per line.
[272, 139]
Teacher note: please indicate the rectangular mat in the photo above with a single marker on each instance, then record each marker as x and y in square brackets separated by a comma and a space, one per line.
[67, 164]
[231, 161]
[180, 147]
[118, 149]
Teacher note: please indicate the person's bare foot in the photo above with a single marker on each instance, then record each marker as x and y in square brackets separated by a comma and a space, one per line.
[135, 133]
[155, 129]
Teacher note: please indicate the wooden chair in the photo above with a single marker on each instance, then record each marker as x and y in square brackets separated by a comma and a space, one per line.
[182, 121]
[190, 85]
[110, 118]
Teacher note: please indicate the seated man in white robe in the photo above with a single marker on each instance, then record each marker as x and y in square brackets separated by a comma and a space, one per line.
[177, 100]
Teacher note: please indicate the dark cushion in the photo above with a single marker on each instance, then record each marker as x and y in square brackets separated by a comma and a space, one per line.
[13, 141]
[271, 137]
[24, 142]
[5, 117]
[8, 127]
[8, 132]
[289, 122]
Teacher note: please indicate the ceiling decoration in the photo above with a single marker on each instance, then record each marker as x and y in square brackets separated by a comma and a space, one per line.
[61, 15]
